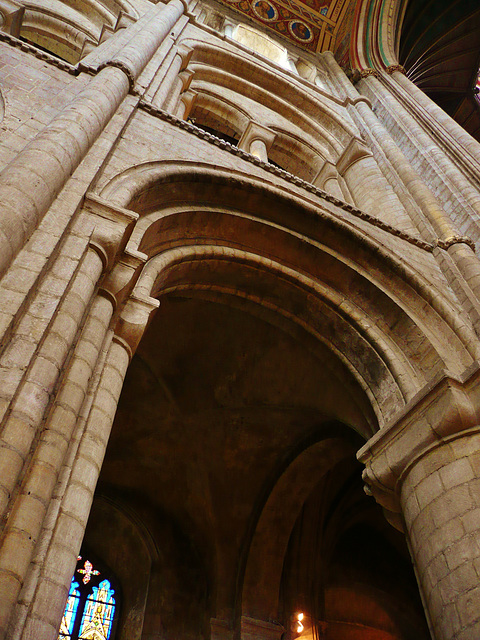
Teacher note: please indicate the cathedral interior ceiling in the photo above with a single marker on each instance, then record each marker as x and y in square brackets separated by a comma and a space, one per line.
[315, 25]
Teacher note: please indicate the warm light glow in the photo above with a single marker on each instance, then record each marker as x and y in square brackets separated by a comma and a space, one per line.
[299, 623]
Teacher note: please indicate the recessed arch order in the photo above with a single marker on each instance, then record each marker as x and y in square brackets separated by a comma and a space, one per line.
[299, 257]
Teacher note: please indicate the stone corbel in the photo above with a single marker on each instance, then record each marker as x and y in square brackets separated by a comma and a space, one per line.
[252, 629]
[445, 409]
[11, 16]
[355, 151]
[186, 79]
[256, 131]
[134, 319]
[188, 99]
[112, 227]
[119, 283]
[185, 54]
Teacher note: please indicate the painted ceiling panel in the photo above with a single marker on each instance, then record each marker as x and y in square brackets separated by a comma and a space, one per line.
[315, 25]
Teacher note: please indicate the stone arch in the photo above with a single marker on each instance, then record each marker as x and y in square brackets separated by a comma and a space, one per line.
[376, 33]
[259, 83]
[344, 282]
[295, 155]
[219, 114]
[65, 30]
[264, 555]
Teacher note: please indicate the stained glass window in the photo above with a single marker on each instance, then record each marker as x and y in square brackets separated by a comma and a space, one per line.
[92, 604]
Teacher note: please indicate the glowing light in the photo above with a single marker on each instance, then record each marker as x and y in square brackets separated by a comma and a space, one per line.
[300, 627]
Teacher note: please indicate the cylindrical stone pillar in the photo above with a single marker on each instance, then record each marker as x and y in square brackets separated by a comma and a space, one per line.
[426, 144]
[51, 593]
[30, 183]
[258, 148]
[67, 533]
[168, 81]
[440, 499]
[51, 457]
[20, 430]
[457, 134]
[431, 208]
[424, 470]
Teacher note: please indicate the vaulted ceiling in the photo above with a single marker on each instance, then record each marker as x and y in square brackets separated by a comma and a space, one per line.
[440, 48]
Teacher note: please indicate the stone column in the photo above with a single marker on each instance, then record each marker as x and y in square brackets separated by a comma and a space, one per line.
[60, 559]
[425, 471]
[181, 84]
[430, 148]
[186, 104]
[179, 63]
[368, 186]
[257, 140]
[36, 436]
[453, 134]
[459, 248]
[30, 183]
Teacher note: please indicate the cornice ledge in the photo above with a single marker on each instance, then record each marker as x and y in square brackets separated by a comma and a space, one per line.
[38, 53]
[289, 177]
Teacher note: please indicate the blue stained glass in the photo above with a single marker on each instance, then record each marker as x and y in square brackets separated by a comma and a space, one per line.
[71, 607]
[98, 613]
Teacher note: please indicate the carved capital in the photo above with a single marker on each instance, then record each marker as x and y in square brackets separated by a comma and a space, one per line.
[119, 283]
[395, 67]
[11, 16]
[355, 151]
[445, 409]
[112, 227]
[448, 242]
[134, 319]
[186, 78]
[185, 54]
[364, 73]
[256, 131]
[327, 172]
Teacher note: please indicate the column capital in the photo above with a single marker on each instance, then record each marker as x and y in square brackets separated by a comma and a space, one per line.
[395, 67]
[447, 408]
[112, 227]
[134, 319]
[355, 151]
[256, 131]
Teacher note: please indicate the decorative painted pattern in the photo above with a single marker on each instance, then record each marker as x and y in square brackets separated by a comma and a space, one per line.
[316, 25]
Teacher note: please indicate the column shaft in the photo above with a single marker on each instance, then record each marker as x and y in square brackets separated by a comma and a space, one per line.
[440, 500]
[52, 590]
[48, 161]
[28, 506]
[61, 436]
[168, 81]
[455, 134]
